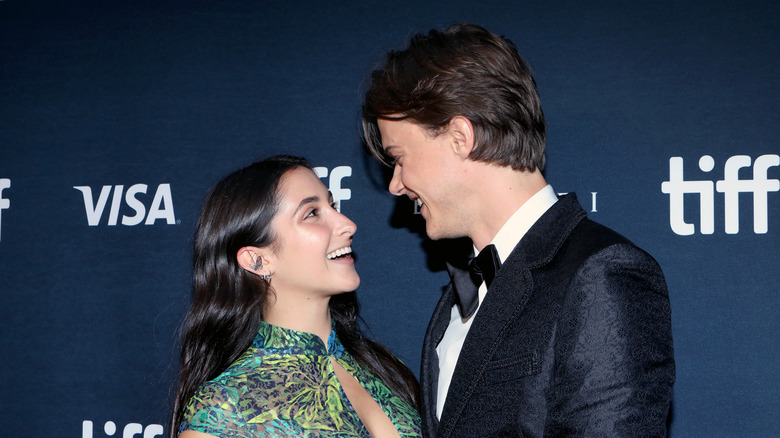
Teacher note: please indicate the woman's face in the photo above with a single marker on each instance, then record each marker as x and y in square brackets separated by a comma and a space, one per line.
[313, 254]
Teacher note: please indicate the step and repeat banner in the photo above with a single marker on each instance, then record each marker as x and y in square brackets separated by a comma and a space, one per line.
[116, 118]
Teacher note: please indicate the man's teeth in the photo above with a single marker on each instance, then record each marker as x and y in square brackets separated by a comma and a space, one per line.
[339, 252]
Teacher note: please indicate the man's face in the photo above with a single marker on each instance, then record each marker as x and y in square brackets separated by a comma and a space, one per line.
[425, 170]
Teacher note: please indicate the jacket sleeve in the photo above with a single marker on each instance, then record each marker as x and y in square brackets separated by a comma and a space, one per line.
[614, 366]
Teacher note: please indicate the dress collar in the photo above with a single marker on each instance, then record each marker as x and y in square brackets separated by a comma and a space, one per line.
[280, 340]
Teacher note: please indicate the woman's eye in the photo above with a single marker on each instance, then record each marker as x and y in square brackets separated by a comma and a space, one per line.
[334, 205]
[312, 213]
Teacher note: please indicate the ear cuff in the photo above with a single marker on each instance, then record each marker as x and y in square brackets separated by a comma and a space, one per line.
[257, 264]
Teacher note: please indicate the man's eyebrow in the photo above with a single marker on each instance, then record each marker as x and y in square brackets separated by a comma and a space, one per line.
[307, 200]
[391, 152]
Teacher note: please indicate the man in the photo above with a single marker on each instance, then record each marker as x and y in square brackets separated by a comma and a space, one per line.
[572, 334]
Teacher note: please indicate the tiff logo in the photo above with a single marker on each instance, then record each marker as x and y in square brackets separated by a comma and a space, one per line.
[5, 203]
[131, 430]
[334, 182]
[731, 186]
[161, 206]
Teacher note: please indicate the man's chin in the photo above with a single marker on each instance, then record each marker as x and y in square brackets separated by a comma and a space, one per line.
[431, 231]
[437, 233]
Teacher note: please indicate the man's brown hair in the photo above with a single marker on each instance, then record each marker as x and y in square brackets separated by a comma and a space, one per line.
[464, 70]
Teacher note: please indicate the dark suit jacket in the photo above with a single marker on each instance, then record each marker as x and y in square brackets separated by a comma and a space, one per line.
[573, 339]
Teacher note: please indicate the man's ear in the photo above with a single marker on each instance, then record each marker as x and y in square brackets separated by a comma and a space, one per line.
[461, 133]
[252, 259]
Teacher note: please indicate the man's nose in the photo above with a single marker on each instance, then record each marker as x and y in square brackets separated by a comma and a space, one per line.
[396, 187]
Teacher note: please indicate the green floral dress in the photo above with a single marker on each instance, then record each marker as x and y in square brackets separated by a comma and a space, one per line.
[284, 385]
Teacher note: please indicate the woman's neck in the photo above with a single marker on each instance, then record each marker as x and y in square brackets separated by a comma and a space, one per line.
[310, 316]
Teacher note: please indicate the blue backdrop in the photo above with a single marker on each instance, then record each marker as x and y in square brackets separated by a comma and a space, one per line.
[116, 117]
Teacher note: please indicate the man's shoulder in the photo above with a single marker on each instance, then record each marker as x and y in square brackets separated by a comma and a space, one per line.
[593, 244]
[565, 230]
[572, 237]
[591, 233]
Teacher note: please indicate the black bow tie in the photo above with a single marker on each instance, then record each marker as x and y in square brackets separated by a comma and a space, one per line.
[481, 268]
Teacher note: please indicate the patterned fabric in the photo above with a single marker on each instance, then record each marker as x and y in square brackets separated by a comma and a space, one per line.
[284, 385]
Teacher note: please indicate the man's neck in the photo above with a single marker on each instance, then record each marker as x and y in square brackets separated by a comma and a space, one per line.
[501, 192]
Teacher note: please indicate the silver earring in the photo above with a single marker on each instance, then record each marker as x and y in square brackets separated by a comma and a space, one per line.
[266, 278]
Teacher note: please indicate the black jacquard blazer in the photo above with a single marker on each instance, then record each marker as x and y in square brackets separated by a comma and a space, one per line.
[573, 339]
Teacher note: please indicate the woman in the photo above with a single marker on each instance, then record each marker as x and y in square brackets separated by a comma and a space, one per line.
[270, 346]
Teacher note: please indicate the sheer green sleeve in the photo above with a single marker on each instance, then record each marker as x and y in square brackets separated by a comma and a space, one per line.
[214, 410]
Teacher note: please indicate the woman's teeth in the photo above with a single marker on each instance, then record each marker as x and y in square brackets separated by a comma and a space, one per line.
[339, 252]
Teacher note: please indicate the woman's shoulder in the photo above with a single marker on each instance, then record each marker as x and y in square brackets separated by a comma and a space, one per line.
[244, 370]
[231, 383]
[216, 393]
[229, 391]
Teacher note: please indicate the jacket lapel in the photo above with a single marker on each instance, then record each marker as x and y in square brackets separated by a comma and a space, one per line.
[505, 299]
[429, 372]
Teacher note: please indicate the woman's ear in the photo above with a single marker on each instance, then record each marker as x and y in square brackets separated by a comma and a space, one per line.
[250, 258]
[461, 133]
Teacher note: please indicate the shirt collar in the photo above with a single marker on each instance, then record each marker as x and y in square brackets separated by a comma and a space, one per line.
[521, 221]
[280, 340]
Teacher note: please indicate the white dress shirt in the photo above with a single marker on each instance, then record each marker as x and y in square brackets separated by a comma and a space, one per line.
[505, 241]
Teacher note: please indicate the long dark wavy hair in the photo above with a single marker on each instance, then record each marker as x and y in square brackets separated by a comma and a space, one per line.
[227, 305]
